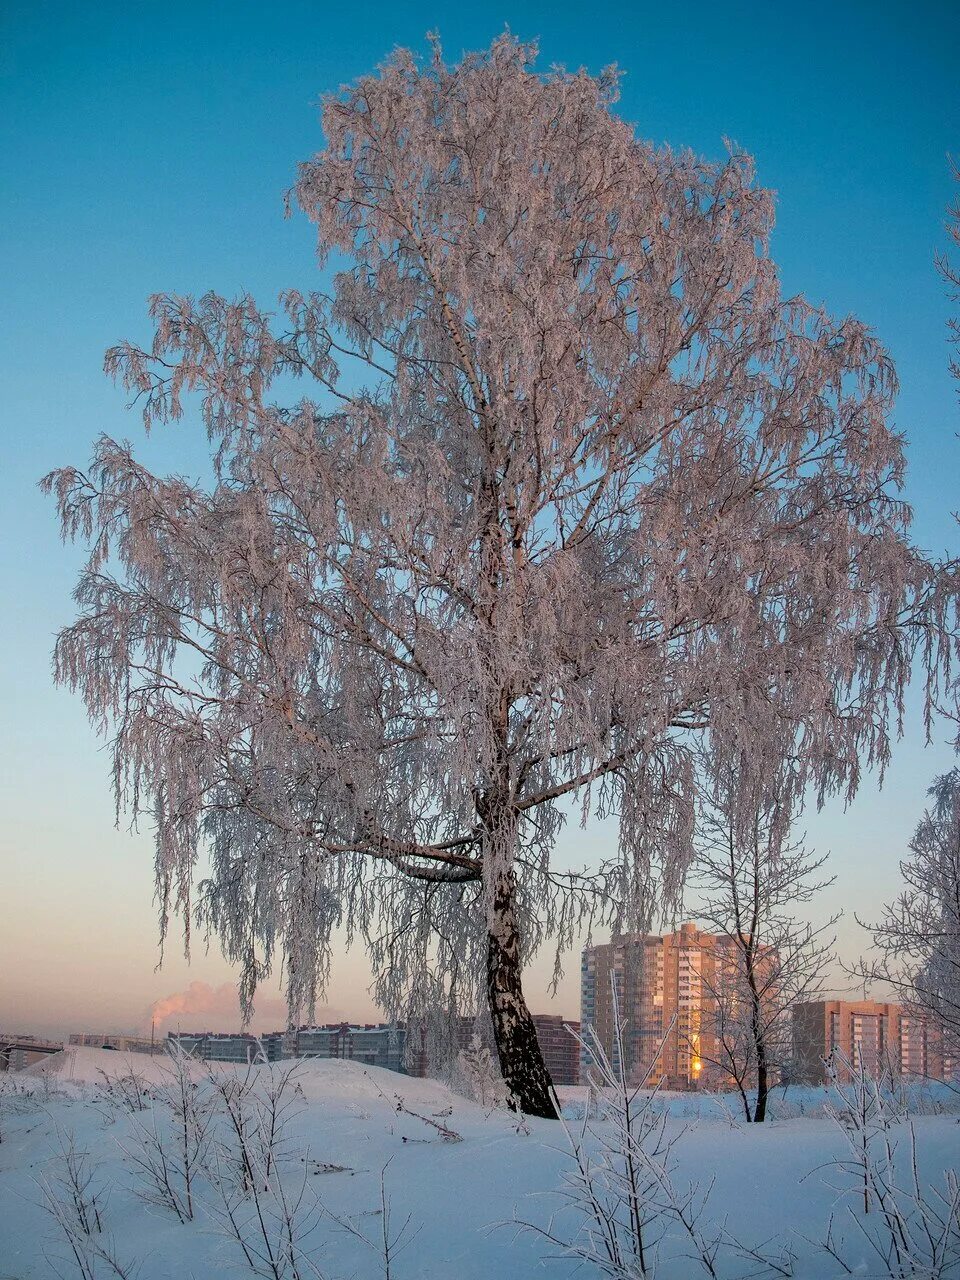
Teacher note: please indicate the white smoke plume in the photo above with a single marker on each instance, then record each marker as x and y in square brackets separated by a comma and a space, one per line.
[202, 1007]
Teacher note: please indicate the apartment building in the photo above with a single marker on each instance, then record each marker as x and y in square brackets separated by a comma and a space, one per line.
[235, 1047]
[19, 1051]
[635, 966]
[887, 1035]
[560, 1049]
[374, 1044]
[123, 1043]
[666, 987]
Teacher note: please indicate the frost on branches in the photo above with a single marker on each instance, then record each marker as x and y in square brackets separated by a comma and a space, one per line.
[917, 940]
[572, 488]
[750, 874]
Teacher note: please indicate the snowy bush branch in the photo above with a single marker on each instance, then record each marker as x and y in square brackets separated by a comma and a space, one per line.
[389, 1242]
[897, 1226]
[76, 1205]
[621, 1188]
[170, 1142]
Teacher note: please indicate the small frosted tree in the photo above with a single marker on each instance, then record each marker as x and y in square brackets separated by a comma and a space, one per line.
[572, 485]
[748, 878]
[917, 939]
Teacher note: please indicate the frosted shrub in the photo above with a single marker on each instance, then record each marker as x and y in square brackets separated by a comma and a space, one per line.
[917, 940]
[269, 1220]
[260, 1198]
[14, 1100]
[72, 1198]
[255, 1112]
[895, 1226]
[479, 1073]
[170, 1140]
[125, 1091]
[621, 1187]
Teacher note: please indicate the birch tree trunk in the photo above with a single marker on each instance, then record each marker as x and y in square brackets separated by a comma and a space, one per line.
[760, 1047]
[521, 1059]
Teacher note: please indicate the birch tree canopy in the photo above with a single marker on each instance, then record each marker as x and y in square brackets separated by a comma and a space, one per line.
[573, 493]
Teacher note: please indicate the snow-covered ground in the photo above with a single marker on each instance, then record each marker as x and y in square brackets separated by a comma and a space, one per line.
[773, 1181]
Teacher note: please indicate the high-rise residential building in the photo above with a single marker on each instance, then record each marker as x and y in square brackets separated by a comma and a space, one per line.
[888, 1036]
[635, 965]
[667, 987]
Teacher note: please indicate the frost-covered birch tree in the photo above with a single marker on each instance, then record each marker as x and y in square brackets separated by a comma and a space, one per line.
[571, 485]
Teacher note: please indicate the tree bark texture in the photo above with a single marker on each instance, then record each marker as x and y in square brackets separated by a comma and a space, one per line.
[521, 1059]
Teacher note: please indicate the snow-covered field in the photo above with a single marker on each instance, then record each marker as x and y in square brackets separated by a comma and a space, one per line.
[449, 1199]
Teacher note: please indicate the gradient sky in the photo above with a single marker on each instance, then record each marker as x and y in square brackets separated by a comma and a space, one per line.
[147, 147]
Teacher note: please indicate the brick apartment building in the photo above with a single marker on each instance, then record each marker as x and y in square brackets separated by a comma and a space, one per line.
[888, 1035]
[667, 989]
[374, 1044]
[560, 1049]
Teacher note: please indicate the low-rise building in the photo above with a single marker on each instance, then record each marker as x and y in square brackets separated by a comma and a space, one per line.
[19, 1051]
[228, 1046]
[374, 1044]
[123, 1043]
[560, 1048]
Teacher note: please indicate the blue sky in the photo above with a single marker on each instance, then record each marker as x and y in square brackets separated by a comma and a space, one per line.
[147, 147]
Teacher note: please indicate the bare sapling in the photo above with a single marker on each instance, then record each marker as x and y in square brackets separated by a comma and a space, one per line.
[170, 1140]
[70, 1196]
[897, 1225]
[748, 879]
